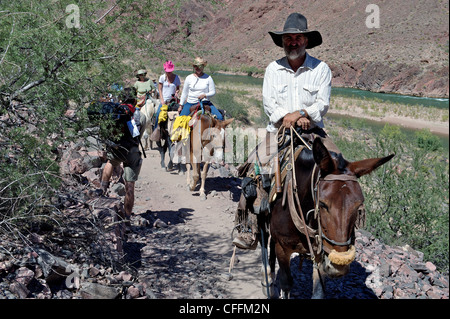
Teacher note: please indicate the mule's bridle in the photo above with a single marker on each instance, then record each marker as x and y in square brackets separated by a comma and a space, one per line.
[330, 177]
[300, 223]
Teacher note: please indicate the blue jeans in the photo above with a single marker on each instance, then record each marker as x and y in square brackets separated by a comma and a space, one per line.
[157, 116]
[214, 110]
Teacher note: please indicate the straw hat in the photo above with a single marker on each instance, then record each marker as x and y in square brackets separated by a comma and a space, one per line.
[198, 61]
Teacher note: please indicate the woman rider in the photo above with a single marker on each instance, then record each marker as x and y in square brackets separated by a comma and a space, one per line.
[198, 86]
[168, 87]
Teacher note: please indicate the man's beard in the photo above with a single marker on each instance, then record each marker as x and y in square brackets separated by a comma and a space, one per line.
[293, 53]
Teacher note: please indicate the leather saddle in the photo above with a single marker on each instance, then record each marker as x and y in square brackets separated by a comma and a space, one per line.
[197, 107]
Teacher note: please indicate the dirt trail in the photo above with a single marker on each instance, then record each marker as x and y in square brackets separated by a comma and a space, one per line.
[190, 257]
[210, 222]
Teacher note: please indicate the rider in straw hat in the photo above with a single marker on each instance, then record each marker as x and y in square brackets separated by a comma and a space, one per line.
[198, 86]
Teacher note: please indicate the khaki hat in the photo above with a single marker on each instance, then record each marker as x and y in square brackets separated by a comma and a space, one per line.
[199, 62]
[141, 71]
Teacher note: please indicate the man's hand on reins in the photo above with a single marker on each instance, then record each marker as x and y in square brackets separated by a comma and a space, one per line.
[304, 123]
[294, 118]
[290, 119]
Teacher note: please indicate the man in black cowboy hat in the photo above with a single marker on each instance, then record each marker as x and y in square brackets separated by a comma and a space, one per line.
[296, 92]
[297, 87]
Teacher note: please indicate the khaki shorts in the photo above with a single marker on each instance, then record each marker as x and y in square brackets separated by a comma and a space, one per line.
[132, 163]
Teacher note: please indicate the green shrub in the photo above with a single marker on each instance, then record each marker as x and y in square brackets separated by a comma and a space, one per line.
[48, 66]
[407, 198]
[226, 99]
[427, 141]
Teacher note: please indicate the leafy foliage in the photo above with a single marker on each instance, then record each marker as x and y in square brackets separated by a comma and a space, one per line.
[55, 58]
[427, 141]
[406, 199]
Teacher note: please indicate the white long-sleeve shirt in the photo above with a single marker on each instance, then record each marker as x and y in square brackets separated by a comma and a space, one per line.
[286, 91]
[195, 86]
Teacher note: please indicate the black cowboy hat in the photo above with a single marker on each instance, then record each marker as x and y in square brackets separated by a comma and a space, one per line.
[296, 23]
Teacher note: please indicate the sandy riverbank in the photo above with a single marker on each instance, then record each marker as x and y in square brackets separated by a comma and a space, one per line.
[438, 127]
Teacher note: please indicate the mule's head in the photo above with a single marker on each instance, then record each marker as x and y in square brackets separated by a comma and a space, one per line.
[214, 136]
[339, 199]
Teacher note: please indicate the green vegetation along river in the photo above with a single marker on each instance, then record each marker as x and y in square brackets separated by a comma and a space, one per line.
[397, 99]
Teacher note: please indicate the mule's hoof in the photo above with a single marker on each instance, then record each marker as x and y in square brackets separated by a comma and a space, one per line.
[203, 197]
[227, 276]
[271, 290]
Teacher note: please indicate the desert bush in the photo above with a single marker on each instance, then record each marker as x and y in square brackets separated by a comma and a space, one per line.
[427, 141]
[406, 199]
[226, 99]
[55, 57]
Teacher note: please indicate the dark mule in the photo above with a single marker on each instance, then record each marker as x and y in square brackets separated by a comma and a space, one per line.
[207, 139]
[164, 143]
[326, 196]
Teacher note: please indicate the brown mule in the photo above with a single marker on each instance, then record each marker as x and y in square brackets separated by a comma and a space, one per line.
[317, 217]
[207, 139]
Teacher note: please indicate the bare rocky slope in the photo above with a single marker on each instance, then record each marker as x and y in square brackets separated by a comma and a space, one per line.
[407, 54]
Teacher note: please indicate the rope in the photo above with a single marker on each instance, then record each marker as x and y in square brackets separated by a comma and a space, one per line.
[294, 180]
[301, 138]
[232, 260]
[265, 262]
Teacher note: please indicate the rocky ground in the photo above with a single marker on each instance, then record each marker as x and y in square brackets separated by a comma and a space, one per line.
[178, 247]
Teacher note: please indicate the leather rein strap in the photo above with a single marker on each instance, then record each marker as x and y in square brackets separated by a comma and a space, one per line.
[292, 190]
[295, 209]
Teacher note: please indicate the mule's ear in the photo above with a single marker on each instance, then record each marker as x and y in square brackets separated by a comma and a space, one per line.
[322, 157]
[367, 166]
[226, 122]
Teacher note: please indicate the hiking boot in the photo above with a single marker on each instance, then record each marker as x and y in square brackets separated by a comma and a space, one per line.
[169, 166]
[103, 188]
[245, 241]
[261, 203]
[95, 193]
[100, 191]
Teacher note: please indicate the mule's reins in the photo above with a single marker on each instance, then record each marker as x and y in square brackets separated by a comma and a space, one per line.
[301, 224]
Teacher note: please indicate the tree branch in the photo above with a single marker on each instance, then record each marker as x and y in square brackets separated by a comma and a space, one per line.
[9, 42]
[106, 13]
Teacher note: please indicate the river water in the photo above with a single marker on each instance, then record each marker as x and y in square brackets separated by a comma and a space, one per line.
[442, 103]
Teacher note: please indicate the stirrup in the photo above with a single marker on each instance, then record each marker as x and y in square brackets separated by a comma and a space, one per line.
[243, 244]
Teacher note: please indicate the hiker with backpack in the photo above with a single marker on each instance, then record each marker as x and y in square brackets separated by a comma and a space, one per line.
[124, 149]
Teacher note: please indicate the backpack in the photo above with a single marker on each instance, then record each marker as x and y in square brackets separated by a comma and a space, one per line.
[115, 111]
[120, 114]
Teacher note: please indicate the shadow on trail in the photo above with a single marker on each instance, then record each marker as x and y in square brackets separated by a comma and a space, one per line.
[132, 254]
[175, 263]
[223, 184]
[351, 286]
[169, 217]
